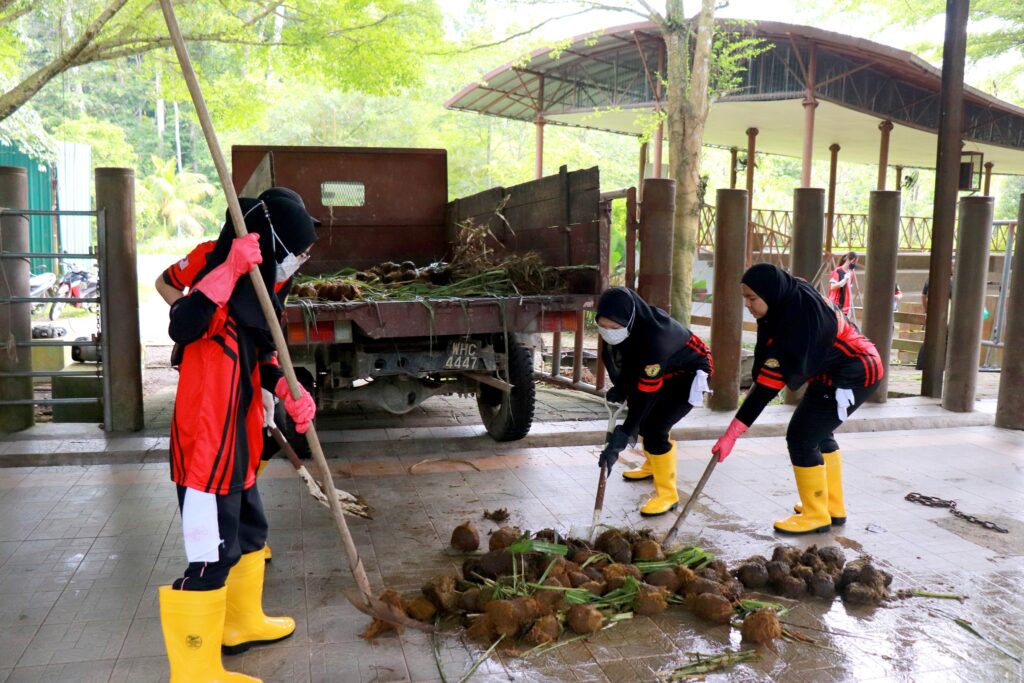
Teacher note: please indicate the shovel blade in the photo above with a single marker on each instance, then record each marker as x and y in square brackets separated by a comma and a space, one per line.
[378, 609]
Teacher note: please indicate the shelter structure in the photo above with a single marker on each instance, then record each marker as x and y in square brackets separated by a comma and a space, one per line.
[812, 94]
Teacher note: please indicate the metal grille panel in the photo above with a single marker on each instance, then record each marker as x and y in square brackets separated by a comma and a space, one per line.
[342, 193]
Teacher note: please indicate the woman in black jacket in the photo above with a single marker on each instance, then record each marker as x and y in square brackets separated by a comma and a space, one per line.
[661, 369]
[803, 338]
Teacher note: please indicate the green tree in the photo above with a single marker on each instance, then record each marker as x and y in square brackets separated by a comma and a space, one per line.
[348, 44]
[109, 144]
[175, 200]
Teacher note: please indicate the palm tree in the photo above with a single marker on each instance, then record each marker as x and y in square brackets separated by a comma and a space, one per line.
[176, 196]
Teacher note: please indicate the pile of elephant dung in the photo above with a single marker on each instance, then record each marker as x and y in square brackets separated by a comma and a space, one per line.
[532, 588]
[820, 572]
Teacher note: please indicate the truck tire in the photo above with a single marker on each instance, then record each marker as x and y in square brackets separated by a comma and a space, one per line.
[509, 416]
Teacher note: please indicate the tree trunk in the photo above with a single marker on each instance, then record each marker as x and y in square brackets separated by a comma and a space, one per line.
[687, 112]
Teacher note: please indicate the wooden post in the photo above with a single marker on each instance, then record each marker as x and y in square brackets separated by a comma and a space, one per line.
[727, 303]
[988, 179]
[733, 153]
[880, 278]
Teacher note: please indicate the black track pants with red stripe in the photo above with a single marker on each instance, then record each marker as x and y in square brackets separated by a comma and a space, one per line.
[811, 428]
[672, 403]
[243, 530]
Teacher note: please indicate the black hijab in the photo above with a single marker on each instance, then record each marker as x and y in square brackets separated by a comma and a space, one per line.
[800, 324]
[275, 213]
[653, 335]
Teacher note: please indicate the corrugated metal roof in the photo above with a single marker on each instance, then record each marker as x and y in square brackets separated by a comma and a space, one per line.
[602, 80]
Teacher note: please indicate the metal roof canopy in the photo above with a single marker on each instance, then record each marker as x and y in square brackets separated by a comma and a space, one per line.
[606, 80]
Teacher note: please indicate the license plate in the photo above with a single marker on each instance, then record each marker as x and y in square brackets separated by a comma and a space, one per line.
[463, 355]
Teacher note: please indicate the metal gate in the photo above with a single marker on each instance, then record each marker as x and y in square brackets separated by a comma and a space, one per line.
[99, 255]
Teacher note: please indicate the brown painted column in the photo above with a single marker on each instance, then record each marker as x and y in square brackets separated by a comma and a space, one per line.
[115, 193]
[988, 179]
[880, 278]
[899, 178]
[1010, 404]
[727, 304]
[538, 153]
[643, 172]
[810, 104]
[883, 152]
[733, 153]
[805, 247]
[658, 142]
[655, 281]
[751, 154]
[947, 174]
[833, 167]
[15, 319]
[975, 234]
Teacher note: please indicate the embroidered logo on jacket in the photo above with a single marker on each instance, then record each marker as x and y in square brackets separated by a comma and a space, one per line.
[772, 363]
[652, 370]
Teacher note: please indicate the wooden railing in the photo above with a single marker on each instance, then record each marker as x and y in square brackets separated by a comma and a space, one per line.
[773, 228]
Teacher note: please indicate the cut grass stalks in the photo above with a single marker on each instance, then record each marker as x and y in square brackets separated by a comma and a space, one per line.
[690, 556]
[748, 607]
[918, 593]
[969, 627]
[528, 545]
[702, 664]
[484, 658]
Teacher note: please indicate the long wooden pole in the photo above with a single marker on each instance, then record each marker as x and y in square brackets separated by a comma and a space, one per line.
[235, 209]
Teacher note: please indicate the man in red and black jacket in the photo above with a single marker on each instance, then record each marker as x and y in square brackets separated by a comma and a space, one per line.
[661, 369]
[216, 433]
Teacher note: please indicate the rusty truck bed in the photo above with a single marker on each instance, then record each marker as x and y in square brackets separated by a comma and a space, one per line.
[442, 317]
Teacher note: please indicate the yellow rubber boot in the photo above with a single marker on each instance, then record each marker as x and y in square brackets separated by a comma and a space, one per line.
[812, 484]
[834, 473]
[640, 473]
[245, 624]
[666, 496]
[193, 622]
[267, 554]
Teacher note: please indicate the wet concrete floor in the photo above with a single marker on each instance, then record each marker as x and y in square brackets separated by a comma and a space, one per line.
[83, 549]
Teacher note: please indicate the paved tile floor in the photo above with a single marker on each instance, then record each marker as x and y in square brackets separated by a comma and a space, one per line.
[83, 549]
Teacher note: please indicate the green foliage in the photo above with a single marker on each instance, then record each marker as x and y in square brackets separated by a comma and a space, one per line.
[174, 200]
[110, 146]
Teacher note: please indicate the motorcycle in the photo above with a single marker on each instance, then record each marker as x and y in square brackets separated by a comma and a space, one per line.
[39, 286]
[75, 284]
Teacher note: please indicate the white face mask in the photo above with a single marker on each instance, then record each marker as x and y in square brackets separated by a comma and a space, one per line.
[619, 334]
[613, 337]
[290, 263]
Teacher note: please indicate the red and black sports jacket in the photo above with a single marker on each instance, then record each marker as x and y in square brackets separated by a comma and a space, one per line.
[852, 361]
[216, 437]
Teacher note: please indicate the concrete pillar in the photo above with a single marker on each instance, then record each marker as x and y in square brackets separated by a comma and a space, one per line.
[751, 154]
[1010, 405]
[115, 193]
[883, 152]
[538, 152]
[975, 234]
[947, 172]
[733, 153]
[805, 248]
[727, 304]
[832, 169]
[15, 319]
[988, 179]
[880, 278]
[655, 281]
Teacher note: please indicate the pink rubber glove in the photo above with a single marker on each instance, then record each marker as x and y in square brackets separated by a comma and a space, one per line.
[301, 409]
[723, 447]
[244, 255]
